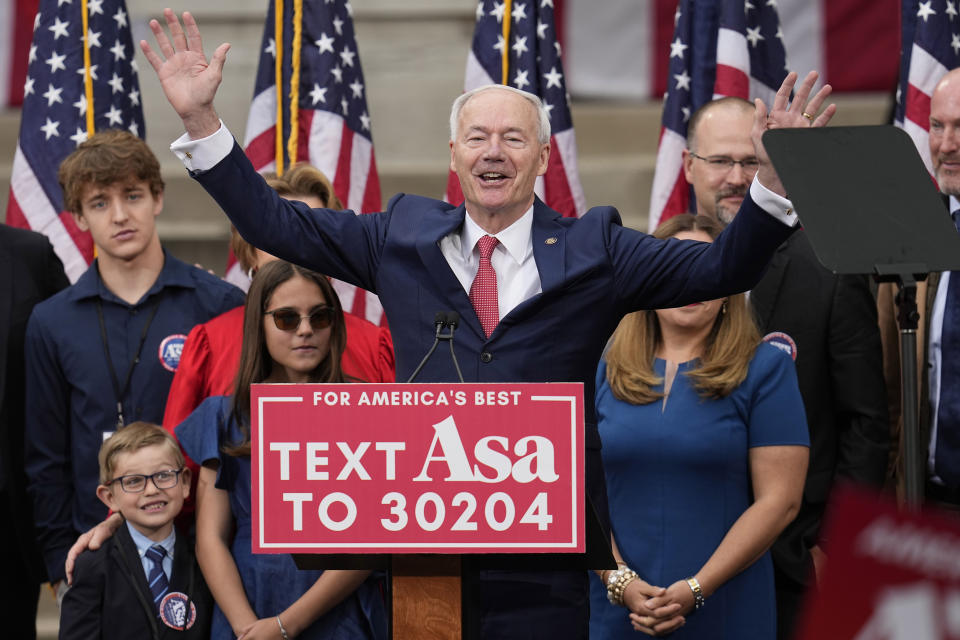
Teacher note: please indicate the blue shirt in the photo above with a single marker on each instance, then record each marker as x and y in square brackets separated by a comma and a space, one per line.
[71, 405]
[143, 543]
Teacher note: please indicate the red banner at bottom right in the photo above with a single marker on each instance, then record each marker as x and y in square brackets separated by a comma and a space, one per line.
[890, 574]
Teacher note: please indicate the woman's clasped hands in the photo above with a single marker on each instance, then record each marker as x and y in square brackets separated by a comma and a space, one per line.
[658, 611]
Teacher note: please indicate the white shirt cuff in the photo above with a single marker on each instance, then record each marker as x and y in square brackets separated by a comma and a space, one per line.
[205, 153]
[774, 204]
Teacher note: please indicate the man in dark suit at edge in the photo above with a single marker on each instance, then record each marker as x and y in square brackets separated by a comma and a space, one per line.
[938, 327]
[422, 256]
[29, 273]
[827, 322]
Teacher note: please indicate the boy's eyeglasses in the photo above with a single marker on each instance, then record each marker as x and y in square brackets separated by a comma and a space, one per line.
[137, 482]
[289, 320]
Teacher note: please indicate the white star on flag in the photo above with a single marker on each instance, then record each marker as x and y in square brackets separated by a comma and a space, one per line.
[56, 62]
[553, 78]
[753, 36]
[325, 43]
[50, 129]
[677, 48]
[115, 116]
[59, 28]
[520, 80]
[79, 136]
[119, 51]
[520, 45]
[52, 95]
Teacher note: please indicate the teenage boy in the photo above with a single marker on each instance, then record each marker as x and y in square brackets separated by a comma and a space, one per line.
[102, 353]
[144, 582]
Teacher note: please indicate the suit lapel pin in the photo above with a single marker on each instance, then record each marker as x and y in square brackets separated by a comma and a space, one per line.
[550, 240]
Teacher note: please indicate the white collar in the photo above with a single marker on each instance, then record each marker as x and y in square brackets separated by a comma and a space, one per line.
[143, 542]
[517, 239]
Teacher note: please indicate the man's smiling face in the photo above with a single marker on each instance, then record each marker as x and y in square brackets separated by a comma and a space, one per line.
[497, 155]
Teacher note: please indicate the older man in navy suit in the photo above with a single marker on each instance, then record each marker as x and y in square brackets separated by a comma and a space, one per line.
[538, 294]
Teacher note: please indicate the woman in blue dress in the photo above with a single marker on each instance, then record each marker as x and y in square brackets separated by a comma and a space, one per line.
[293, 332]
[705, 451]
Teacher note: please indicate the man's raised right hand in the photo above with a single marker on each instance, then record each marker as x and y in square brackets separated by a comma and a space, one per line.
[188, 80]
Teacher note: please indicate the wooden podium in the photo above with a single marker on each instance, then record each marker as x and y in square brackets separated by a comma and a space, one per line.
[427, 597]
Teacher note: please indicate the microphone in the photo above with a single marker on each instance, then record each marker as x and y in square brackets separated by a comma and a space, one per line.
[452, 321]
[439, 321]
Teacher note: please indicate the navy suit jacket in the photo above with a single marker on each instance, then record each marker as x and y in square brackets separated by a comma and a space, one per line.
[592, 271]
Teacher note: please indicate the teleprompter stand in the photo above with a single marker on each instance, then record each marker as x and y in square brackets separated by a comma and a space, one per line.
[869, 206]
[430, 599]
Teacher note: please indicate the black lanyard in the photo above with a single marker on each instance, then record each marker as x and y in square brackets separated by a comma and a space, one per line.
[117, 390]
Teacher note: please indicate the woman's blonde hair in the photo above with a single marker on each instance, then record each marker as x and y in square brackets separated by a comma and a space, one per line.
[727, 353]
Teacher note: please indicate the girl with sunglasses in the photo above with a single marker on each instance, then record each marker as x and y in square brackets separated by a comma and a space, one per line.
[293, 331]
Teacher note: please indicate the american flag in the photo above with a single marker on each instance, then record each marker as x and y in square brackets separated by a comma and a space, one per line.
[323, 114]
[515, 43]
[61, 109]
[930, 48]
[726, 48]
[854, 44]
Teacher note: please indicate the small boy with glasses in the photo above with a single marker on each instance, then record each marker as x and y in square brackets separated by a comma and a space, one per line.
[144, 582]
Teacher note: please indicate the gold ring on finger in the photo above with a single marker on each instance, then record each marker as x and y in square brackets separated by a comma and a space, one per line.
[807, 116]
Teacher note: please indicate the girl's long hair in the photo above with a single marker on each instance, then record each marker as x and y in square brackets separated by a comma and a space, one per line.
[255, 361]
[726, 357]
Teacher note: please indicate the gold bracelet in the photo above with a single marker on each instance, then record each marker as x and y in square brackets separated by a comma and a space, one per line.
[698, 599]
[617, 584]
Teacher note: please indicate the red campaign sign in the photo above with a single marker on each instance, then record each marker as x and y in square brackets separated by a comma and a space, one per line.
[890, 574]
[417, 468]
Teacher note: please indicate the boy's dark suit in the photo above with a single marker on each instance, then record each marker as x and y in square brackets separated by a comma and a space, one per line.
[110, 597]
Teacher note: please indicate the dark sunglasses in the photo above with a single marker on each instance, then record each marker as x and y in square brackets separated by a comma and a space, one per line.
[289, 320]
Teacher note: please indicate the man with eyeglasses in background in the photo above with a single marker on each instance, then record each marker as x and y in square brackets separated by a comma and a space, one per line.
[828, 324]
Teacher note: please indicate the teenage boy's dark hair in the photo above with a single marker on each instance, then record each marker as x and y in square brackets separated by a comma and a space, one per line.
[106, 158]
